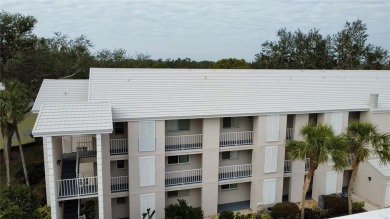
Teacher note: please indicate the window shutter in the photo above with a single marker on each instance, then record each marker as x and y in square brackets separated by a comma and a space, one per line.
[269, 191]
[147, 136]
[331, 183]
[337, 122]
[271, 159]
[147, 201]
[272, 128]
[147, 171]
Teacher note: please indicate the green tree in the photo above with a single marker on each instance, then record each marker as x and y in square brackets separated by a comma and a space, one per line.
[320, 144]
[352, 52]
[182, 210]
[364, 140]
[15, 35]
[295, 50]
[13, 102]
[231, 63]
[18, 201]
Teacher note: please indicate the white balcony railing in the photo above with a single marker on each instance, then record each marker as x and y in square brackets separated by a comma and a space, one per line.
[77, 187]
[120, 183]
[235, 138]
[287, 166]
[289, 133]
[235, 171]
[183, 142]
[307, 164]
[86, 148]
[118, 146]
[183, 177]
[351, 157]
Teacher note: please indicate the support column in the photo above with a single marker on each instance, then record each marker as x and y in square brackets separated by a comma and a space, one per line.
[210, 164]
[103, 175]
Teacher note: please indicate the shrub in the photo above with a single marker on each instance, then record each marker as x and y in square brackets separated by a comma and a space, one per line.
[243, 216]
[262, 215]
[18, 201]
[43, 212]
[358, 207]
[336, 205]
[226, 214]
[286, 210]
[88, 209]
[316, 213]
[182, 211]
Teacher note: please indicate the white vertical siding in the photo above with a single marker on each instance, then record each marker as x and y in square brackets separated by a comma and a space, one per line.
[271, 159]
[147, 171]
[269, 191]
[147, 133]
[99, 161]
[337, 122]
[147, 201]
[272, 128]
[331, 183]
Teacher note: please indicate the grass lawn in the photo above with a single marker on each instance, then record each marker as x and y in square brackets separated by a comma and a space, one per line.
[32, 153]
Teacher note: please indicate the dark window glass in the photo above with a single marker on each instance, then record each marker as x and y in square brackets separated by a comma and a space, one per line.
[173, 159]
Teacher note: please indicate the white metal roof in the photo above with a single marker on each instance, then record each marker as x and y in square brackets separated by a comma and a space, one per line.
[185, 93]
[74, 118]
[60, 92]
[384, 170]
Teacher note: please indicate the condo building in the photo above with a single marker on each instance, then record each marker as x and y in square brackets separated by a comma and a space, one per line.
[126, 140]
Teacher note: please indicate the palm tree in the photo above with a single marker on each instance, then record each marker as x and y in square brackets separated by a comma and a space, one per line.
[319, 142]
[363, 140]
[13, 103]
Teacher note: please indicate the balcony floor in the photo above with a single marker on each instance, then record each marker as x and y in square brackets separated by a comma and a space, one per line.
[235, 206]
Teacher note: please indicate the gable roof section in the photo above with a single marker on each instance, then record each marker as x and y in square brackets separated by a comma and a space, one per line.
[75, 118]
[383, 169]
[61, 91]
[201, 93]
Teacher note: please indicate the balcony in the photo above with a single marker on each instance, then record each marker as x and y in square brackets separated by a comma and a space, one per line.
[183, 142]
[235, 171]
[307, 164]
[235, 138]
[289, 134]
[77, 187]
[183, 177]
[287, 166]
[86, 146]
[119, 183]
[118, 146]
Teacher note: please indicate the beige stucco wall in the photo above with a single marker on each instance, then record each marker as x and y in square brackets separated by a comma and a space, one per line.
[119, 172]
[133, 167]
[242, 193]
[194, 199]
[195, 128]
[119, 210]
[245, 123]
[382, 120]
[373, 190]
[210, 163]
[195, 163]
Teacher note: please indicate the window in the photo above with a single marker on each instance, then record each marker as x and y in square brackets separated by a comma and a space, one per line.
[120, 164]
[121, 200]
[229, 186]
[178, 125]
[179, 193]
[230, 122]
[119, 128]
[228, 155]
[179, 159]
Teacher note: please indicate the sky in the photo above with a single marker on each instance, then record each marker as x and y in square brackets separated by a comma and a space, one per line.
[200, 30]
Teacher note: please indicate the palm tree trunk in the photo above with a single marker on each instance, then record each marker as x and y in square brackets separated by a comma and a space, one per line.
[22, 156]
[306, 185]
[355, 168]
[6, 153]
